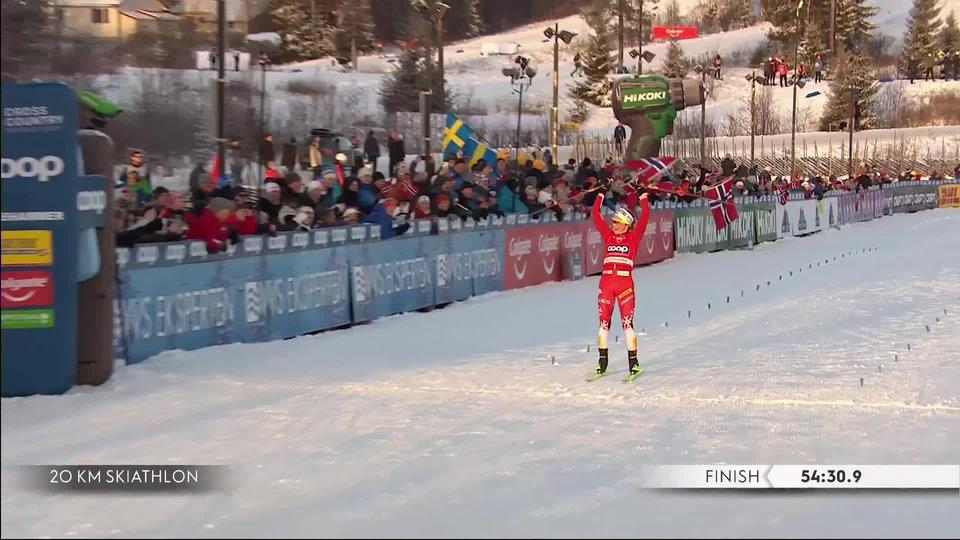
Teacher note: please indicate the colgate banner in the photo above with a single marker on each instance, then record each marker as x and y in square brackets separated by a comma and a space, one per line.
[532, 254]
[674, 32]
[592, 249]
[26, 288]
[657, 242]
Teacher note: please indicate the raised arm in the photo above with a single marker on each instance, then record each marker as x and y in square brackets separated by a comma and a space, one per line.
[642, 219]
[598, 221]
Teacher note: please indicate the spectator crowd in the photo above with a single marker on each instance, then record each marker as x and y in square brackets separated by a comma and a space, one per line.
[218, 209]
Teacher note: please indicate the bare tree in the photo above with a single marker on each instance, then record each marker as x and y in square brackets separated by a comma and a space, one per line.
[892, 105]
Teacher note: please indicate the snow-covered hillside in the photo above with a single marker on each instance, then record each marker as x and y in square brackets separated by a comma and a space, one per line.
[891, 19]
[320, 93]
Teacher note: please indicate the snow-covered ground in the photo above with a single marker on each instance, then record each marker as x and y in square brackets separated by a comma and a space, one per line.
[457, 422]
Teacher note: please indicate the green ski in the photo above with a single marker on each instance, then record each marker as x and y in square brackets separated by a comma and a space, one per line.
[633, 376]
[598, 376]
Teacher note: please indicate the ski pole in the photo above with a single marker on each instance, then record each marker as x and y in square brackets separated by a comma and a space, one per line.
[570, 200]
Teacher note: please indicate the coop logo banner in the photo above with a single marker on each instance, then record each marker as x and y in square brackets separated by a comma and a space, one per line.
[26, 248]
[42, 168]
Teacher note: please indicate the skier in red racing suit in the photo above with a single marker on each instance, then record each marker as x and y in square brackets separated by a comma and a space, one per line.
[621, 242]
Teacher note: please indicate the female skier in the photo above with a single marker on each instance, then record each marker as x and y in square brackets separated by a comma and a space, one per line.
[621, 240]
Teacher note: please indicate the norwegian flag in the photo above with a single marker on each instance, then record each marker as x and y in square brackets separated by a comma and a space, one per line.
[784, 194]
[650, 168]
[721, 203]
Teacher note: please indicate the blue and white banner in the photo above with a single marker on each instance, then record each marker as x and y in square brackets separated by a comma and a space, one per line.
[243, 299]
[394, 277]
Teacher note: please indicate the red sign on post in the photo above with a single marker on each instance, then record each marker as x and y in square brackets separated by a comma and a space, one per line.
[24, 288]
[674, 32]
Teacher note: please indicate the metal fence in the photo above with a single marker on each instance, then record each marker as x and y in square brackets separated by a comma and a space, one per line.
[891, 155]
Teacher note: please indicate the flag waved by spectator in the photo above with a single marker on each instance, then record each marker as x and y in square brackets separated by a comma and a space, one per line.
[722, 205]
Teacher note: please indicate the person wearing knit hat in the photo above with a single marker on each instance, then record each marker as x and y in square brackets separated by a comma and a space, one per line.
[221, 207]
[422, 209]
[271, 187]
[316, 187]
[441, 202]
[351, 215]
[270, 201]
[317, 194]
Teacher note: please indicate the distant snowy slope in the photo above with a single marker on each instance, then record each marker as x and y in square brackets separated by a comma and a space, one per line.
[893, 15]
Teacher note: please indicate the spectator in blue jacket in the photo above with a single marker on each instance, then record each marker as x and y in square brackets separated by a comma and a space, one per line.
[367, 192]
[508, 200]
[382, 214]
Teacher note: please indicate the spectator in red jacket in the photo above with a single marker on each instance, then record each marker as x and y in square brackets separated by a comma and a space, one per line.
[423, 210]
[271, 172]
[221, 222]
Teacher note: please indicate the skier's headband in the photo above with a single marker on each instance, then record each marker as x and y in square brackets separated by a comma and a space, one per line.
[623, 217]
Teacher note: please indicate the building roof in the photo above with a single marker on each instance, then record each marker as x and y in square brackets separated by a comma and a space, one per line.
[145, 5]
[237, 10]
[85, 3]
[146, 10]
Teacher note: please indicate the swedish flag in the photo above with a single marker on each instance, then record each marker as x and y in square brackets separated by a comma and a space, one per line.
[455, 135]
[461, 138]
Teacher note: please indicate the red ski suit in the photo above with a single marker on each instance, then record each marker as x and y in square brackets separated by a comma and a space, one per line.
[616, 282]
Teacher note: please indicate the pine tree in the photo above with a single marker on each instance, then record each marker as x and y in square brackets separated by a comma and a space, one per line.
[631, 20]
[354, 21]
[786, 24]
[598, 14]
[950, 37]
[707, 16]
[598, 63]
[676, 64]
[735, 14]
[813, 38]
[597, 67]
[26, 35]
[306, 32]
[854, 25]
[401, 90]
[856, 73]
[671, 13]
[920, 43]
[462, 19]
